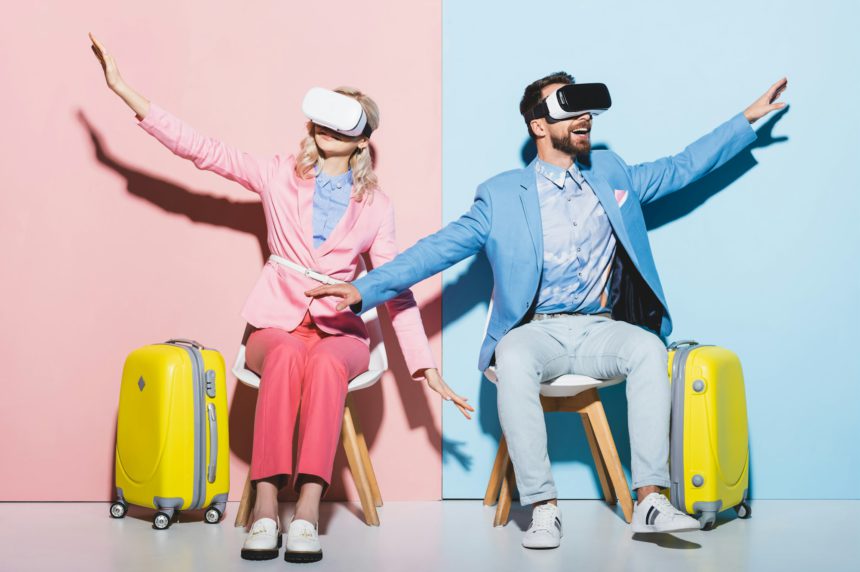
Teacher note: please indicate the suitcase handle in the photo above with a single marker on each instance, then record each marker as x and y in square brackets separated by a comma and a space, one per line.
[186, 342]
[679, 343]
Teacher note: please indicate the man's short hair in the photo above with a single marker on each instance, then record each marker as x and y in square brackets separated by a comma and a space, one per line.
[532, 94]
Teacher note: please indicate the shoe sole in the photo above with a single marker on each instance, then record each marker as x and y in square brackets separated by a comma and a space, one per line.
[651, 529]
[541, 547]
[262, 553]
[302, 557]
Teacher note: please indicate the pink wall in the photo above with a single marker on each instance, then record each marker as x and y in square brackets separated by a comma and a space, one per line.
[110, 242]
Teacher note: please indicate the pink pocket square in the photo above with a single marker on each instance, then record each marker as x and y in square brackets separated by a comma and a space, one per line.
[620, 197]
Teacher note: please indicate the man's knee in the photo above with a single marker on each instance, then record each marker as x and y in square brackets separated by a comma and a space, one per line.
[644, 347]
[514, 359]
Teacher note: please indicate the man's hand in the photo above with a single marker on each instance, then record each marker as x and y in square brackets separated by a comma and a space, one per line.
[347, 292]
[437, 384]
[765, 104]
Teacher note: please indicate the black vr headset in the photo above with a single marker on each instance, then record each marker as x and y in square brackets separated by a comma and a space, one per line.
[570, 101]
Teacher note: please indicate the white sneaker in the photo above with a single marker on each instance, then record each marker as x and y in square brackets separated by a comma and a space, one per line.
[263, 541]
[303, 542]
[656, 514]
[545, 529]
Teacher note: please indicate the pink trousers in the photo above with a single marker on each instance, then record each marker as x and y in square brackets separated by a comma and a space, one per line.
[303, 374]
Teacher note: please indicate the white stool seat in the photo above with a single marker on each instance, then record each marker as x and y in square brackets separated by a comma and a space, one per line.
[562, 386]
[565, 385]
[378, 359]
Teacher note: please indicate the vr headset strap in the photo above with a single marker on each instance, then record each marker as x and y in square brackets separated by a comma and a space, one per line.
[538, 111]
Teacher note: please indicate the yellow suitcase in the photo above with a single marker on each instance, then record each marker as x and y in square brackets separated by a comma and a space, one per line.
[172, 442]
[709, 445]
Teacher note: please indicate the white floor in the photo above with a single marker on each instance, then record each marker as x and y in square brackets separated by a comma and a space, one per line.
[781, 536]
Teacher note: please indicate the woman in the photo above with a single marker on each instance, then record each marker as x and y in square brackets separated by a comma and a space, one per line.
[323, 211]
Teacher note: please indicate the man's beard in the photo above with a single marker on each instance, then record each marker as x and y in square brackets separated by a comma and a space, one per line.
[565, 145]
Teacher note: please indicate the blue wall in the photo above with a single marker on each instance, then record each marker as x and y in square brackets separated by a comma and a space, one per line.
[760, 257]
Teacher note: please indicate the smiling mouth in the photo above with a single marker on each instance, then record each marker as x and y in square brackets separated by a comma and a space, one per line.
[583, 131]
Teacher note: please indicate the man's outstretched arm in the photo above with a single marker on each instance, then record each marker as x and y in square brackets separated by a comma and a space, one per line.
[430, 255]
[658, 178]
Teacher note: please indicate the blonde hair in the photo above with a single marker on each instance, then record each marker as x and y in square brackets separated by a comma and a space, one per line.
[364, 180]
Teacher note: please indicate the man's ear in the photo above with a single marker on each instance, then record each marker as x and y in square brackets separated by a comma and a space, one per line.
[538, 127]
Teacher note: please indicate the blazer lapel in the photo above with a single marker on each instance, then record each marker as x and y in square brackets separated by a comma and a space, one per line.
[343, 227]
[531, 208]
[305, 201]
[607, 200]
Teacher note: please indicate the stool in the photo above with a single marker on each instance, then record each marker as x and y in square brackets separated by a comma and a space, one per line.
[577, 394]
[352, 438]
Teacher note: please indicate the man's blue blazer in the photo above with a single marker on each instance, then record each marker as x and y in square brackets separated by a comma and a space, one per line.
[505, 221]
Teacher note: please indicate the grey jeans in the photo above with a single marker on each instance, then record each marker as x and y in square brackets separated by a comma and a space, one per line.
[596, 346]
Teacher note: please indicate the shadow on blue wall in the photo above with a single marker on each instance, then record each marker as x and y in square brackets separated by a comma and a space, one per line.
[567, 442]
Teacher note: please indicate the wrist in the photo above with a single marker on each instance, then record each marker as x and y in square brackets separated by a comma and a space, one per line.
[118, 86]
[749, 115]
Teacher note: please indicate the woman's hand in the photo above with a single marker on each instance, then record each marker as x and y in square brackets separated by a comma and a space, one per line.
[112, 77]
[138, 103]
[437, 384]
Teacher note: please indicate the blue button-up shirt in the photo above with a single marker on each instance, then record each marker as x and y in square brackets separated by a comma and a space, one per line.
[578, 243]
[331, 198]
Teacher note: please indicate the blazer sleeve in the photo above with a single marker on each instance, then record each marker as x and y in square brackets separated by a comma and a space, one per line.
[207, 153]
[402, 308]
[654, 180]
[430, 255]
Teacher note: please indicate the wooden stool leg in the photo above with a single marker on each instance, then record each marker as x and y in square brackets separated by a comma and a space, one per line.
[503, 510]
[608, 493]
[249, 497]
[603, 436]
[497, 475]
[365, 457]
[353, 457]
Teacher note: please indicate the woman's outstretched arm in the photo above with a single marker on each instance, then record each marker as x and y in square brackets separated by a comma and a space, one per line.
[247, 169]
[138, 103]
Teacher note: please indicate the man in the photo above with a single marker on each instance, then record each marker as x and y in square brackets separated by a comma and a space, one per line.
[576, 288]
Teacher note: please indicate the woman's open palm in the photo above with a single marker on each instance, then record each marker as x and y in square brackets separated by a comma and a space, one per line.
[109, 66]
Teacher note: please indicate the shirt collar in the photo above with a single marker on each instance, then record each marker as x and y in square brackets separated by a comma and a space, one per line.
[324, 180]
[555, 174]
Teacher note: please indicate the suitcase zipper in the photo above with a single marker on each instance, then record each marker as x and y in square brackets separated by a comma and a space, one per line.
[676, 430]
[683, 349]
[200, 437]
[198, 496]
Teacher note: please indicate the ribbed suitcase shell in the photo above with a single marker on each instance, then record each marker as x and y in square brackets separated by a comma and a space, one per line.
[172, 442]
[709, 458]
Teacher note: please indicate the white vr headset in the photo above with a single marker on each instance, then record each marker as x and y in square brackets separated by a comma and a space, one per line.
[570, 101]
[336, 111]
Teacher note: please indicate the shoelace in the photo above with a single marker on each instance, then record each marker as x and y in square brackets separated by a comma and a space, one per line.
[665, 507]
[542, 518]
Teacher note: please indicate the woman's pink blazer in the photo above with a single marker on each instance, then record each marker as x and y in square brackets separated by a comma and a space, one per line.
[278, 300]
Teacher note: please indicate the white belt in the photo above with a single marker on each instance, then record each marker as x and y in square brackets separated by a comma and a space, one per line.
[312, 274]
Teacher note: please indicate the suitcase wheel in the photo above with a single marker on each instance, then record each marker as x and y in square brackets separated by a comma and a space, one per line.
[743, 510]
[213, 515]
[161, 521]
[118, 509]
[708, 520]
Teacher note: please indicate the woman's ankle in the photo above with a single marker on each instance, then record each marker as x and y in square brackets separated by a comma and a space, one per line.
[311, 489]
[308, 513]
[266, 505]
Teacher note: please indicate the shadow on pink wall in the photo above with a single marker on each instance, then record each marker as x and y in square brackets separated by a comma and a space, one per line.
[247, 217]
